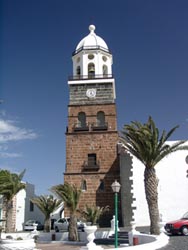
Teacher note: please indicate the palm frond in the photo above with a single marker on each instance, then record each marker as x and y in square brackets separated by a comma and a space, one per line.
[10, 184]
[93, 213]
[70, 194]
[144, 142]
[47, 204]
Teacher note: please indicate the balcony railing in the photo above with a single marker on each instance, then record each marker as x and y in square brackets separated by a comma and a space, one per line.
[77, 127]
[86, 77]
[90, 166]
[96, 126]
[90, 48]
[90, 127]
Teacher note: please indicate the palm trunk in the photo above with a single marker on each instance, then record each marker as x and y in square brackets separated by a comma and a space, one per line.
[151, 185]
[47, 225]
[8, 217]
[73, 232]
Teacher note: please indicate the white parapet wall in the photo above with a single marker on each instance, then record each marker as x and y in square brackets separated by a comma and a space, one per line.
[147, 242]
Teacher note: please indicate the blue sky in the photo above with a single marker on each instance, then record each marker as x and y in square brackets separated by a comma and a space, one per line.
[148, 40]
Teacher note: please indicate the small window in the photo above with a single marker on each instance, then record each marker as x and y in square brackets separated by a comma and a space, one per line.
[186, 159]
[78, 71]
[101, 185]
[91, 70]
[90, 56]
[105, 70]
[83, 185]
[100, 118]
[92, 160]
[31, 206]
[104, 58]
[82, 119]
[92, 164]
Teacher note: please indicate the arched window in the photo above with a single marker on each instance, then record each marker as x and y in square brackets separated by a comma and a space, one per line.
[91, 70]
[81, 119]
[100, 118]
[83, 185]
[105, 70]
[101, 185]
[78, 71]
[31, 206]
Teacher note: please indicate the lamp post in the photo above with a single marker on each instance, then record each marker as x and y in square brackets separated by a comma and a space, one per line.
[116, 187]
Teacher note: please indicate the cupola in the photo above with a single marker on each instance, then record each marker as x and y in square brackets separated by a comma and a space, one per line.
[92, 58]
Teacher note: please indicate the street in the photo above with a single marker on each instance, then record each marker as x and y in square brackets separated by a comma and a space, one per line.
[60, 246]
[177, 243]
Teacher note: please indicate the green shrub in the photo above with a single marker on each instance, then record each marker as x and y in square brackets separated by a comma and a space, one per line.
[19, 238]
[93, 213]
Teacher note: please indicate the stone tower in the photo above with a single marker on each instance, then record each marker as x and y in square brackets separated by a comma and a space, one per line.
[92, 162]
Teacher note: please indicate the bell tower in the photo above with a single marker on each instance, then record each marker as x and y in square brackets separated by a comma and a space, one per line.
[92, 162]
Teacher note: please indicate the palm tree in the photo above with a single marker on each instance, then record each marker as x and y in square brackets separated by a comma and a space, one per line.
[93, 213]
[10, 185]
[70, 194]
[147, 145]
[47, 205]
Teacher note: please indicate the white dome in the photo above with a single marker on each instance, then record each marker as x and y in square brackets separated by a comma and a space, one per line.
[92, 41]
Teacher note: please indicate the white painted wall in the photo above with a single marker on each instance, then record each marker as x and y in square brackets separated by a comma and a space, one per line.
[20, 209]
[97, 61]
[36, 214]
[23, 212]
[58, 213]
[172, 189]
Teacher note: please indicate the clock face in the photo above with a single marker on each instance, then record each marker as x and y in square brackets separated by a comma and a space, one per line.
[91, 93]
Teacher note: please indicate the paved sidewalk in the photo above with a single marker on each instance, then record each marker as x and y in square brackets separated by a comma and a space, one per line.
[62, 246]
[57, 246]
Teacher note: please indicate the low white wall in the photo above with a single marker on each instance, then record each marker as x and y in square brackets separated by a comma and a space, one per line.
[45, 237]
[147, 242]
[61, 236]
[16, 235]
[52, 236]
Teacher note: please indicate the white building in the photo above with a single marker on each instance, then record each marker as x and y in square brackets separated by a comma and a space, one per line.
[172, 187]
[58, 213]
[23, 208]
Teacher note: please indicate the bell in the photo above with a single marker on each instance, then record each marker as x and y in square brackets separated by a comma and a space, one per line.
[91, 69]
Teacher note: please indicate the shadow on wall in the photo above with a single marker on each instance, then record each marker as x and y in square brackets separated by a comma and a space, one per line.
[122, 171]
[126, 179]
[105, 195]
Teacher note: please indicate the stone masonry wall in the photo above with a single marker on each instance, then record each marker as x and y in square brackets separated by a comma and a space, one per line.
[104, 93]
[91, 111]
[104, 145]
